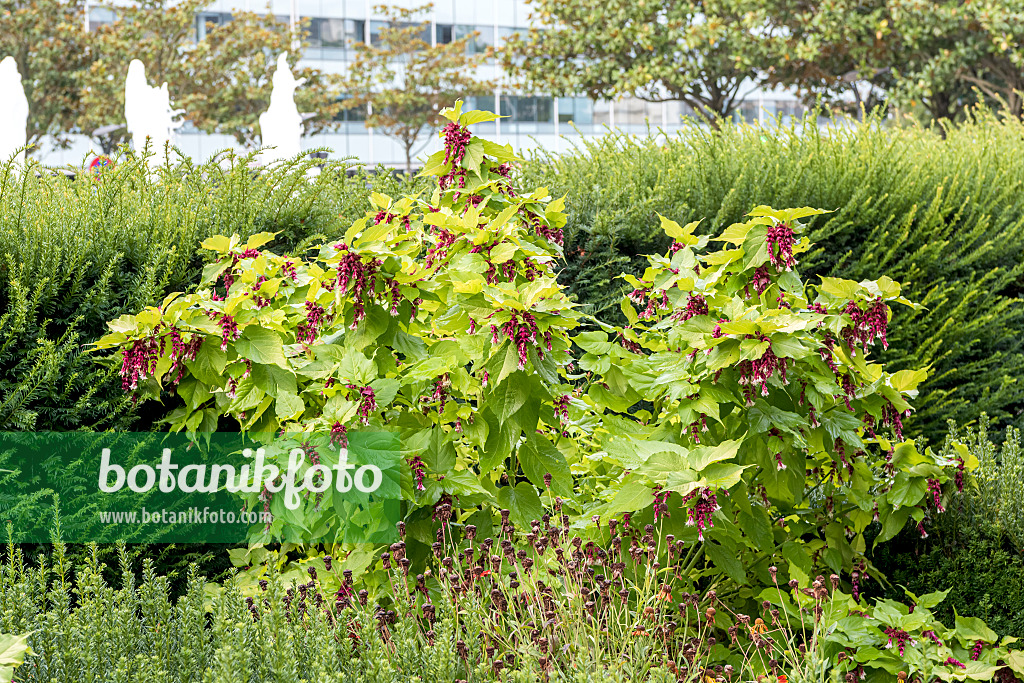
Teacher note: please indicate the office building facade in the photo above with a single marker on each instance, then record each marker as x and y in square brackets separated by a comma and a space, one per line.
[531, 120]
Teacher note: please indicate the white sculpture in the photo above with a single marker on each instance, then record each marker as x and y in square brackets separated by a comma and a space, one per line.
[13, 112]
[148, 113]
[281, 124]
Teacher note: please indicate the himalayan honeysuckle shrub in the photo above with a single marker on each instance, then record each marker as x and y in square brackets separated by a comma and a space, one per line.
[748, 397]
[739, 411]
[438, 317]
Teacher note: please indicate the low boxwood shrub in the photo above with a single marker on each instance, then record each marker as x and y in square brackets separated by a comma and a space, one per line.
[943, 214]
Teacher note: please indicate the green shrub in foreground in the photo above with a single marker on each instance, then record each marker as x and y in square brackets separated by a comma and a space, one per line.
[74, 253]
[944, 216]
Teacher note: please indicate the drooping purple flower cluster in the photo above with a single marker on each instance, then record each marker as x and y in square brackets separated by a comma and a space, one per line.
[867, 325]
[696, 305]
[697, 426]
[562, 407]
[936, 490]
[419, 472]
[441, 391]
[629, 344]
[892, 417]
[661, 504]
[521, 329]
[699, 513]
[308, 329]
[930, 635]
[181, 351]
[439, 250]
[655, 301]
[953, 661]
[456, 137]
[849, 390]
[261, 302]
[899, 638]
[367, 402]
[228, 329]
[288, 268]
[780, 246]
[361, 275]
[979, 645]
[138, 361]
[339, 435]
[757, 372]
[761, 280]
[717, 332]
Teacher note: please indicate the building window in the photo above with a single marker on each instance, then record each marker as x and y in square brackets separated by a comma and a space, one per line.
[443, 33]
[355, 32]
[350, 114]
[207, 20]
[376, 26]
[100, 16]
[526, 108]
[477, 44]
[577, 110]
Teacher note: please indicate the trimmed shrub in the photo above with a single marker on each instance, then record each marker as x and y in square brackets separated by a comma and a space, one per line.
[76, 253]
[976, 549]
[979, 565]
[943, 215]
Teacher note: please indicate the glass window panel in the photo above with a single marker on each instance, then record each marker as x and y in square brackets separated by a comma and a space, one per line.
[314, 27]
[354, 31]
[508, 108]
[444, 33]
[98, 16]
[332, 33]
[584, 111]
[375, 27]
[483, 102]
[544, 107]
[479, 43]
[504, 32]
[566, 109]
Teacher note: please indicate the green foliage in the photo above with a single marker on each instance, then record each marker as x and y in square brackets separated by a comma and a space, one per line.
[406, 81]
[942, 215]
[994, 494]
[529, 607]
[974, 549]
[440, 320]
[699, 52]
[978, 564]
[435, 317]
[76, 253]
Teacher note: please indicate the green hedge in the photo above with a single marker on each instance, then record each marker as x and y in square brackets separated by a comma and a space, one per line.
[943, 215]
[978, 564]
[77, 253]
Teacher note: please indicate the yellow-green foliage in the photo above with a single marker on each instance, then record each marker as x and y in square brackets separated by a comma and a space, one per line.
[944, 215]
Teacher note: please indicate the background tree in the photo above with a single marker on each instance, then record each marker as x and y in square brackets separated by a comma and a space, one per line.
[954, 50]
[47, 38]
[406, 81]
[701, 52]
[838, 53]
[223, 81]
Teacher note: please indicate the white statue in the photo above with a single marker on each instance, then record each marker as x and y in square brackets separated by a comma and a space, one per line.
[281, 124]
[148, 113]
[13, 112]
